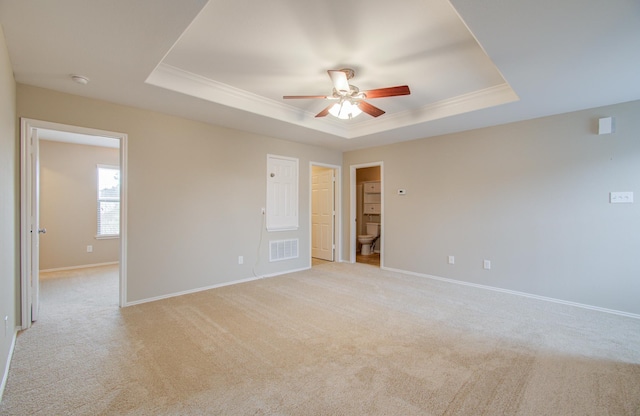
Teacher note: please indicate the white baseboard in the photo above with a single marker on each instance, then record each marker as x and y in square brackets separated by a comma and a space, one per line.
[83, 266]
[5, 376]
[201, 289]
[514, 292]
[264, 276]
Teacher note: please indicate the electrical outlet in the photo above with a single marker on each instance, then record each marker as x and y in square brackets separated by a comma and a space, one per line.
[452, 260]
[89, 249]
[487, 264]
[240, 260]
[6, 324]
[263, 211]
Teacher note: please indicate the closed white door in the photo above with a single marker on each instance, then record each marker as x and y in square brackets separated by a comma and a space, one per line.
[322, 213]
[282, 193]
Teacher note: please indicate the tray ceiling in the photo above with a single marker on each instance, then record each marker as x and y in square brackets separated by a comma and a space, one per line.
[247, 55]
[469, 63]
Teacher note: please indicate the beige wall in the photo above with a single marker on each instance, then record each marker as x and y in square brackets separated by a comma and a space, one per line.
[9, 211]
[195, 193]
[68, 205]
[532, 197]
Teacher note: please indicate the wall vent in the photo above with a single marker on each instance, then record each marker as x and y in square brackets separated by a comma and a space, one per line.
[283, 249]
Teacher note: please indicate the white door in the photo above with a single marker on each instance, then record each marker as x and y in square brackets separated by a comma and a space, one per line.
[322, 213]
[282, 193]
[35, 230]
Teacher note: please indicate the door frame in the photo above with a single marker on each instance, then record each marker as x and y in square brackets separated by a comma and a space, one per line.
[337, 224]
[353, 235]
[27, 170]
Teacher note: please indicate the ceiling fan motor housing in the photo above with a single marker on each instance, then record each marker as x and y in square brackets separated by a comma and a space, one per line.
[350, 73]
[350, 97]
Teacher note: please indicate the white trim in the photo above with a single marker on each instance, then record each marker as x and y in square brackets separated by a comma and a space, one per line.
[26, 125]
[25, 204]
[112, 167]
[337, 218]
[353, 205]
[517, 293]
[5, 376]
[265, 276]
[82, 266]
[461, 104]
[219, 285]
[177, 79]
[185, 82]
[124, 200]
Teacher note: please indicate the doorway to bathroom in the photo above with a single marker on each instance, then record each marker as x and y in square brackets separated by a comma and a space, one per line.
[367, 214]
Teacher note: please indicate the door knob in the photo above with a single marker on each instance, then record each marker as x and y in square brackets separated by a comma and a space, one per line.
[42, 230]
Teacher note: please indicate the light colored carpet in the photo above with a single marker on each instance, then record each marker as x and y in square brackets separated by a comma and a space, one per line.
[338, 339]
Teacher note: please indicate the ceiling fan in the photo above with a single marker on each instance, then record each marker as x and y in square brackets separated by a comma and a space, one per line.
[350, 100]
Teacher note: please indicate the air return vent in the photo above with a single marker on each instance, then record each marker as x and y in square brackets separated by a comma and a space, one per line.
[283, 249]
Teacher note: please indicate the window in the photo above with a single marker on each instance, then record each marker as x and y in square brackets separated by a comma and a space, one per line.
[108, 201]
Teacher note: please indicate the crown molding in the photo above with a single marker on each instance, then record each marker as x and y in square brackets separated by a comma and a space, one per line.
[176, 79]
[475, 100]
[185, 82]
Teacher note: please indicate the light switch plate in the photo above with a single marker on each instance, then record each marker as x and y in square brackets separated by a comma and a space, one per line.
[621, 198]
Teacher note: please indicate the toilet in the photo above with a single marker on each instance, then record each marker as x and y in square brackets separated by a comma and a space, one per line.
[373, 230]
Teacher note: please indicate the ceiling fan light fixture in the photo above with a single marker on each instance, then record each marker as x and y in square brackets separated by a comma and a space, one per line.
[351, 101]
[345, 110]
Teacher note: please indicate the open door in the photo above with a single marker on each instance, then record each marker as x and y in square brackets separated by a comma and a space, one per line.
[30, 227]
[34, 224]
[323, 213]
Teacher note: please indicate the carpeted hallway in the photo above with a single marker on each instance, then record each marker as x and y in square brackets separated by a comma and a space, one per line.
[337, 339]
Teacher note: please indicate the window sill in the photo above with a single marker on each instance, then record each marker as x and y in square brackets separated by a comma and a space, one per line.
[107, 237]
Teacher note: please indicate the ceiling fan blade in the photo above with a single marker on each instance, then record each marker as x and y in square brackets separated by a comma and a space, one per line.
[304, 97]
[325, 111]
[339, 79]
[370, 109]
[388, 92]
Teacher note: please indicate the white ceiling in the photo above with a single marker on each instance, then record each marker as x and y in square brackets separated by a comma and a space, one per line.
[469, 63]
